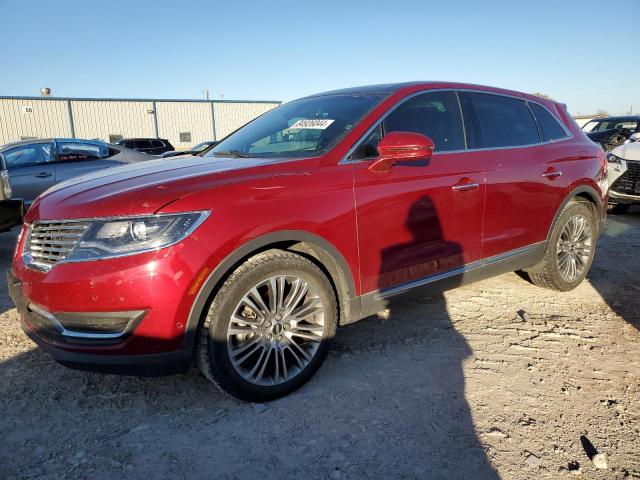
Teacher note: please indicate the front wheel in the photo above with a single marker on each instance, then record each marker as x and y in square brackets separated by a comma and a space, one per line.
[269, 326]
[570, 249]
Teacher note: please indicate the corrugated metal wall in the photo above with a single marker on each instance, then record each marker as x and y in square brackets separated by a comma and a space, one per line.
[32, 118]
[101, 118]
[193, 118]
[230, 116]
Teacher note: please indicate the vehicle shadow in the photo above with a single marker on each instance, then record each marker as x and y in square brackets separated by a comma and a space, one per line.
[437, 373]
[615, 272]
[389, 402]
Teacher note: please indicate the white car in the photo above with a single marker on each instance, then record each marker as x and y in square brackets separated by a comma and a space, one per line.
[624, 177]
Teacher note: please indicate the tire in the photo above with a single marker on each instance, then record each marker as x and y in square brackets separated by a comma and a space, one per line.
[617, 208]
[549, 273]
[266, 338]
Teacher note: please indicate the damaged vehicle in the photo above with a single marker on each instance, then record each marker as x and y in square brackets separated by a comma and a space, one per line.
[611, 132]
[624, 177]
[318, 213]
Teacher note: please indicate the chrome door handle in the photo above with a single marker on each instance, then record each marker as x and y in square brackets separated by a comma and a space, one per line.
[465, 186]
[552, 174]
[43, 175]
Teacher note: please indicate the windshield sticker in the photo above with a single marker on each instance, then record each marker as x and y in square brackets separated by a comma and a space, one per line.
[312, 124]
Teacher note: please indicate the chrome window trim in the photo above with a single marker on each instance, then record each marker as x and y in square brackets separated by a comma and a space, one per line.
[346, 160]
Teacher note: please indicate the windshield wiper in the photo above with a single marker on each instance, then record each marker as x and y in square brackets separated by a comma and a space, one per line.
[231, 153]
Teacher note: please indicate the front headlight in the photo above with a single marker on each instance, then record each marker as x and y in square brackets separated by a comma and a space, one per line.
[116, 237]
[611, 158]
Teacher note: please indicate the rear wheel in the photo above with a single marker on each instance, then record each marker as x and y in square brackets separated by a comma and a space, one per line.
[269, 326]
[570, 249]
[617, 208]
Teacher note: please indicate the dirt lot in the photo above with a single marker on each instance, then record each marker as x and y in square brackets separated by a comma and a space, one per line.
[454, 387]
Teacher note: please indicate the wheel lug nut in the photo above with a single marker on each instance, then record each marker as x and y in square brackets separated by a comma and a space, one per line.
[278, 317]
[279, 337]
[267, 324]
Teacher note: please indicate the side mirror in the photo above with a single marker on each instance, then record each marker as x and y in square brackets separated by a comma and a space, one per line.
[399, 147]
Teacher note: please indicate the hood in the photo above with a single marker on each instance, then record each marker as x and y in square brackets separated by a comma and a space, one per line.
[628, 151]
[140, 188]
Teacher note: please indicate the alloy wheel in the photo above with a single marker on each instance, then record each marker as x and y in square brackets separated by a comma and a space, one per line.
[275, 330]
[574, 248]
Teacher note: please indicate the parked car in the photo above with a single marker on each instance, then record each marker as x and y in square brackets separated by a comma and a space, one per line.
[316, 214]
[199, 149]
[152, 146]
[35, 165]
[612, 131]
[11, 211]
[624, 177]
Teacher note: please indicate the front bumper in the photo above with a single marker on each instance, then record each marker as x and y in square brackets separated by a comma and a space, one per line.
[623, 198]
[51, 340]
[122, 315]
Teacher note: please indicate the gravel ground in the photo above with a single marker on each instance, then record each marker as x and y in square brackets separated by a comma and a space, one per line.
[499, 379]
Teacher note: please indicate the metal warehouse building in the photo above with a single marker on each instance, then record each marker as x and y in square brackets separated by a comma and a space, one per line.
[183, 122]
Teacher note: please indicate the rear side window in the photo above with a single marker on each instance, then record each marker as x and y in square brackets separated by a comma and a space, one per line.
[157, 144]
[550, 128]
[143, 144]
[82, 152]
[504, 121]
[435, 114]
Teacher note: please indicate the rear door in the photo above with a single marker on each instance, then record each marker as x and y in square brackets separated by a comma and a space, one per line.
[77, 158]
[424, 217]
[524, 178]
[31, 169]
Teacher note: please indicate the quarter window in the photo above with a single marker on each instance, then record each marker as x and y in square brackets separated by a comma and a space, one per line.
[504, 121]
[549, 127]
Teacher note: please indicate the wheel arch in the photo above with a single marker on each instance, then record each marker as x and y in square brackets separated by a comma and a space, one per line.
[586, 193]
[315, 248]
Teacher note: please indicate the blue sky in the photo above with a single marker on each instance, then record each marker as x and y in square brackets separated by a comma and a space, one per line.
[583, 53]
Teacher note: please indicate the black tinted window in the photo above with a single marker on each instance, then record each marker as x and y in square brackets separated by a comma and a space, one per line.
[129, 144]
[436, 115]
[504, 121]
[143, 144]
[157, 144]
[549, 127]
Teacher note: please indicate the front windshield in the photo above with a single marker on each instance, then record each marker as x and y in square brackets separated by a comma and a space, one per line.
[306, 127]
[200, 147]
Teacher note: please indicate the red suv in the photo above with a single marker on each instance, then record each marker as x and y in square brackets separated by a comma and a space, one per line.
[312, 216]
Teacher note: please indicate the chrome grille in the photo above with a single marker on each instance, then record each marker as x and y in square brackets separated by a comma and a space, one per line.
[627, 182]
[50, 242]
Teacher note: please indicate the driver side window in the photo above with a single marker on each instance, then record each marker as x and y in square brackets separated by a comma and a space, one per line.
[434, 114]
[27, 155]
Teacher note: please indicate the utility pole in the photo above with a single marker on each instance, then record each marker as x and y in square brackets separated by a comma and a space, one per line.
[206, 93]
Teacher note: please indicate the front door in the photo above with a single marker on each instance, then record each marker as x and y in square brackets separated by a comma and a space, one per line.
[31, 170]
[421, 218]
